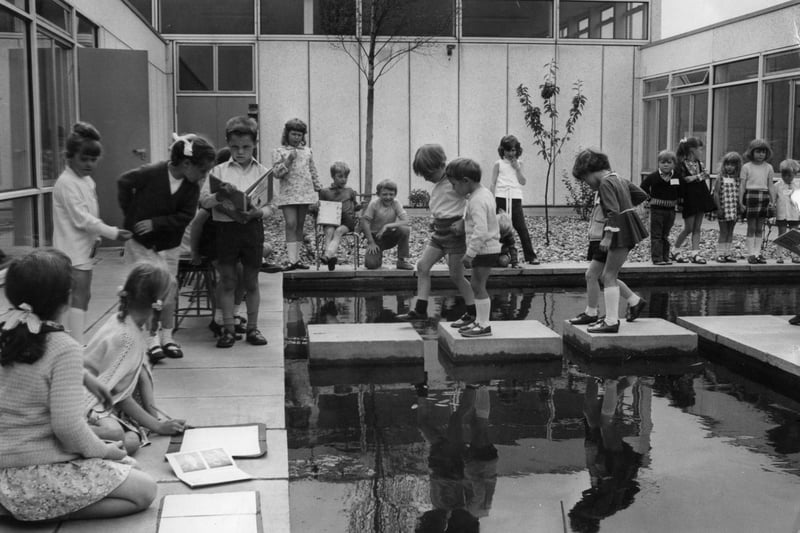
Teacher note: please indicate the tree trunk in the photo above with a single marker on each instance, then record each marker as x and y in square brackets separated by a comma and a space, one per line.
[368, 141]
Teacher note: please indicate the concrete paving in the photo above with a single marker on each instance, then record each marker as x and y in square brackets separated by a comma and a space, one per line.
[510, 340]
[646, 337]
[363, 343]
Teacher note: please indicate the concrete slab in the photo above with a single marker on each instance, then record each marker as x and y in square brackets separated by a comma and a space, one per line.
[481, 371]
[323, 376]
[203, 411]
[766, 338]
[510, 340]
[646, 337]
[612, 367]
[215, 383]
[331, 344]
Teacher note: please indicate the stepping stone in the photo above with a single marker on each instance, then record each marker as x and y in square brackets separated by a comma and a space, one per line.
[646, 337]
[332, 344]
[510, 340]
[766, 338]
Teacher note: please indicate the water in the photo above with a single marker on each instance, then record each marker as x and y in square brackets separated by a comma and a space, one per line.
[568, 445]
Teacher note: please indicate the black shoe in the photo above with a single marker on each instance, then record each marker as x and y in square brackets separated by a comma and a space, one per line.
[215, 328]
[635, 310]
[172, 350]
[239, 326]
[332, 263]
[412, 315]
[603, 327]
[795, 320]
[761, 260]
[270, 268]
[477, 331]
[155, 354]
[226, 340]
[299, 266]
[465, 320]
[255, 337]
[583, 319]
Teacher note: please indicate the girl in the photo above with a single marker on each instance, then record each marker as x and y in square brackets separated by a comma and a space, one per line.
[507, 182]
[293, 166]
[695, 196]
[76, 226]
[726, 197]
[614, 229]
[483, 238]
[115, 356]
[787, 214]
[756, 196]
[47, 447]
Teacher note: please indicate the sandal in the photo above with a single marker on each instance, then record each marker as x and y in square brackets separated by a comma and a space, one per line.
[172, 350]
[698, 260]
[155, 354]
[721, 259]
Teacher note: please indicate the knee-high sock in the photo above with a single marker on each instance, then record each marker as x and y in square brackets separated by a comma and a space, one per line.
[757, 242]
[482, 310]
[748, 241]
[291, 251]
[76, 322]
[611, 298]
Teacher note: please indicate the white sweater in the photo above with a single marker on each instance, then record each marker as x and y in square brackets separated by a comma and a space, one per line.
[76, 225]
[480, 222]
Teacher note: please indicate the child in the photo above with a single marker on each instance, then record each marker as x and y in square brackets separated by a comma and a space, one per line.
[115, 356]
[158, 202]
[338, 192]
[614, 229]
[662, 187]
[756, 196]
[76, 226]
[294, 168]
[726, 197]
[695, 197]
[240, 230]
[787, 214]
[385, 225]
[47, 447]
[483, 238]
[447, 208]
[507, 182]
[508, 245]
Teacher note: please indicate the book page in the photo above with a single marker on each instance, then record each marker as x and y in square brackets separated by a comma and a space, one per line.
[209, 524]
[237, 440]
[224, 503]
[330, 213]
[205, 467]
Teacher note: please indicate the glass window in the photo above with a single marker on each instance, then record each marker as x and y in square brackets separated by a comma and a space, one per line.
[56, 101]
[145, 8]
[734, 119]
[16, 154]
[87, 33]
[18, 223]
[235, 68]
[656, 85]
[55, 12]
[655, 132]
[738, 70]
[334, 17]
[196, 68]
[410, 17]
[284, 17]
[507, 18]
[690, 79]
[777, 97]
[208, 16]
[594, 19]
[690, 117]
[782, 61]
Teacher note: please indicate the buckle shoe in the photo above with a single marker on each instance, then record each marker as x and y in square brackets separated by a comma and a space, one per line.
[635, 310]
[583, 319]
[412, 315]
[477, 331]
[603, 327]
[465, 320]
[255, 337]
[226, 340]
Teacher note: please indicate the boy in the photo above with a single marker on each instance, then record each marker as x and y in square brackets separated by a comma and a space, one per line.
[662, 186]
[447, 208]
[338, 192]
[385, 225]
[240, 229]
[483, 238]
[508, 244]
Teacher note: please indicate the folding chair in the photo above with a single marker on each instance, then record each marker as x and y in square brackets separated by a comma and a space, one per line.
[196, 284]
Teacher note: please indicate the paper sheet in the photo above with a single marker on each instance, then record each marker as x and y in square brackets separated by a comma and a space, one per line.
[237, 440]
[206, 467]
[330, 213]
[225, 503]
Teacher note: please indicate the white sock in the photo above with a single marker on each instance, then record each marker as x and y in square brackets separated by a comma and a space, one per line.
[218, 315]
[236, 309]
[633, 299]
[291, 251]
[757, 245]
[611, 297]
[76, 323]
[166, 336]
[482, 309]
[153, 340]
[591, 311]
[749, 244]
[482, 404]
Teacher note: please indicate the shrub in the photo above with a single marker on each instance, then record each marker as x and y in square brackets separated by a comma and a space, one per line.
[581, 196]
[419, 198]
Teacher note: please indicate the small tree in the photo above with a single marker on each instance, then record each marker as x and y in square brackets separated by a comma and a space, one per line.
[547, 137]
[373, 33]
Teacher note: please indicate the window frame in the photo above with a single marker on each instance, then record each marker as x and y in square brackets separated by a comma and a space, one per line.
[215, 45]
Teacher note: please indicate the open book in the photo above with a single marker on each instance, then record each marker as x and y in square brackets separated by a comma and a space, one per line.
[258, 193]
[206, 467]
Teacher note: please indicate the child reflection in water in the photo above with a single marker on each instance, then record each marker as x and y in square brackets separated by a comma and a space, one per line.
[462, 462]
[612, 462]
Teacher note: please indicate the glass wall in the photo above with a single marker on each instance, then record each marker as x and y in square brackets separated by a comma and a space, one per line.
[231, 17]
[734, 119]
[507, 18]
[593, 19]
[781, 126]
[215, 67]
[56, 102]
[690, 117]
[655, 132]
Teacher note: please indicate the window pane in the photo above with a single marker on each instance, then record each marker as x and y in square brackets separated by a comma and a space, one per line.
[698, 77]
[409, 17]
[738, 70]
[17, 225]
[783, 61]
[195, 68]
[15, 109]
[56, 97]
[655, 132]
[87, 33]
[507, 18]
[734, 119]
[582, 19]
[690, 117]
[235, 65]
[283, 17]
[776, 102]
[54, 12]
[656, 85]
[46, 237]
[208, 16]
[145, 8]
[334, 17]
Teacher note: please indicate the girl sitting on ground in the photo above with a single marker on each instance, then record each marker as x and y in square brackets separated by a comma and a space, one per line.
[47, 447]
[116, 357]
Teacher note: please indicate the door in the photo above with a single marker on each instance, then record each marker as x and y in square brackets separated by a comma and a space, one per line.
[114, 96]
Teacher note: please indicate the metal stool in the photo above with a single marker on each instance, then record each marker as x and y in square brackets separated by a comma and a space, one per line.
[196, 283]
[355, 243]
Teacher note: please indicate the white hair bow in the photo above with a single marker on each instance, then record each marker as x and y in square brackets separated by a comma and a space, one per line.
[21, 315]
[683, 140]
[187, 143]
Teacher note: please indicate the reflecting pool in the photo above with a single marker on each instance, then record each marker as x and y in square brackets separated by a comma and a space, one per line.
[564, 445]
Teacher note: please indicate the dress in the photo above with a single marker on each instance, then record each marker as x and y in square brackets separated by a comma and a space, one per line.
[695, 195]
[728, 198]
[299, 183]
[617, 200]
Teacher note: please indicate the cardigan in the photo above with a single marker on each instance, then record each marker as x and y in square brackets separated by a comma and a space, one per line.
[663, 195]
[144, 193]
[480, 224]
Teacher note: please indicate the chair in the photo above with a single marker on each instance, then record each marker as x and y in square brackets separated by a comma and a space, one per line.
[328, 214]
[196, 284]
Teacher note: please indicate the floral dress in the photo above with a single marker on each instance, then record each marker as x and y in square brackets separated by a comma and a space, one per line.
[298, 183]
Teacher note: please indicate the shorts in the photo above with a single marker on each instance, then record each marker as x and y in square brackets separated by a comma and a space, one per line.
[595, 253]
[485, 260]
[445, 240]
[240, 242]
[135, 253]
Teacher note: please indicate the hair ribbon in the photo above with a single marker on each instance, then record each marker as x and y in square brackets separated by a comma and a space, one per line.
[23, 314]
[683, 140]
[187, 143]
